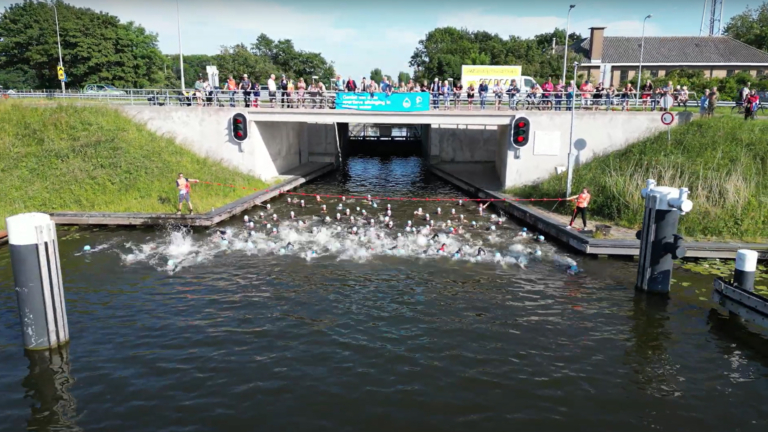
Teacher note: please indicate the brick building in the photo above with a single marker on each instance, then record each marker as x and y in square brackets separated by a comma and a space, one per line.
[615, 59]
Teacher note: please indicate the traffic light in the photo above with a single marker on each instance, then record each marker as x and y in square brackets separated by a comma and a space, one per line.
[521, 131]
[239, 127]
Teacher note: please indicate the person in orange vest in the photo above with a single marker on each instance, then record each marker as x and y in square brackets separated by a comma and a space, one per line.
[582, 201]
[231, 87]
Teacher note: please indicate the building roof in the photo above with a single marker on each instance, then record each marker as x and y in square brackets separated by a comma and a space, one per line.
[675, 50]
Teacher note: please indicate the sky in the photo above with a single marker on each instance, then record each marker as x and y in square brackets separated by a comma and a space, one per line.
[359, 36]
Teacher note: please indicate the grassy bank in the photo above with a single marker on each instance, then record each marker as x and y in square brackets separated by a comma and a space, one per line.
[723, 161]
[77, 158]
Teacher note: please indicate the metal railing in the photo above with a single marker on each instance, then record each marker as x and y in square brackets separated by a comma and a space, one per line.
[554, 101]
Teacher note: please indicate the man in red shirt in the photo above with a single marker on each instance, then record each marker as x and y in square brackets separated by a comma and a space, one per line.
[183, 185]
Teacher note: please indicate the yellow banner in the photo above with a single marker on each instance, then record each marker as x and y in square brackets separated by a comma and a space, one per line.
[472, 74]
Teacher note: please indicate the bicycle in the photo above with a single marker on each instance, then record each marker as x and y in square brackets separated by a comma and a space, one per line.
[539, 103]
[739, 107]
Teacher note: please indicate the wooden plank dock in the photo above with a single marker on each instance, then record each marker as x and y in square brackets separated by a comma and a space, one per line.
[293, 178]
[544, 223]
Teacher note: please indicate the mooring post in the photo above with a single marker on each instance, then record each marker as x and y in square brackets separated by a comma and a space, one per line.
[746, 265]
[37, 275]
[660, 244]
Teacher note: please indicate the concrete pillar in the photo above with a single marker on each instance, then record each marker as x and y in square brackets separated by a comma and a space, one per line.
[746, 265]
[37, 275]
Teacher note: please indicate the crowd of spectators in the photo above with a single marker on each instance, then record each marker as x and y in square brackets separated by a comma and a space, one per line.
[449, 94]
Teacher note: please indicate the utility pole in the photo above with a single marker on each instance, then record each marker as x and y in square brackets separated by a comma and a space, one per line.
[181, 55]
[573, 119]
[565, 47]
[58, 39]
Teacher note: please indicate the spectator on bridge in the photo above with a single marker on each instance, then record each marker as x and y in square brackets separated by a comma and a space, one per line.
[483, 90]
[363, 86]
[245, 87]
[351, 85]
[667, 93]
[647, 93]
[703, 103]
[385, 86]
[457, 90]
[445, 92]
[559, 90]
[627, 94]
[512, 93]
[609, 95]
[199, 90]
[208, 89]
[338, 85]
[301, 87]
[570, 95]
[402, 88]
[291, 92]
[231, 87]
[256, 93]
[587, 90]
[598, 97]
[425, 87]
[313, 96]
[471, 94]
[434, 91]
[547, 88]
[272, 89]
[321, 95]
[283, 92]
[498, 94]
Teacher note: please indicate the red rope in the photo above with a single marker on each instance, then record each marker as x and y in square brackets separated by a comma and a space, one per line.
[378, 198]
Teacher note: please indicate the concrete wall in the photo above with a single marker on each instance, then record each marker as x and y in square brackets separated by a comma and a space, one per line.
[595, 133]
[461, 143]
[272, 148]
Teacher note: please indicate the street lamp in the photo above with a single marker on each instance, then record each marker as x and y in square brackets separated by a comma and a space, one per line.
[573, 118]
[58, 39]
[565, 47]
[640, 70]
[181, 55]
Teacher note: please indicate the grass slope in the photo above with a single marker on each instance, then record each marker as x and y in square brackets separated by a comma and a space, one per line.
[723, 161]
[67, 157]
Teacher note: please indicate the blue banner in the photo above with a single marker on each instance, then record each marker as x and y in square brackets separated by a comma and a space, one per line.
[396, 102]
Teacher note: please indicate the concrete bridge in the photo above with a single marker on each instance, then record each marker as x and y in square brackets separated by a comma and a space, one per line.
[280, 140]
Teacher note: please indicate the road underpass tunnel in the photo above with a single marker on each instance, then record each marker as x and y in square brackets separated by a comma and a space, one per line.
[384, 140]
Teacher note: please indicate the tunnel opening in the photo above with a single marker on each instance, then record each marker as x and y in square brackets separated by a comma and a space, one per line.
[382, 140]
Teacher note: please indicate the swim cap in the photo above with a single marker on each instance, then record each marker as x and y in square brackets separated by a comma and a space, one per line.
[245, 218]
[86, 248]
[525, 229]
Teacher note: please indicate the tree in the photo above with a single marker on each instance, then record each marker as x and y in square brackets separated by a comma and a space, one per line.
[750, 27]
[403, 77]
[376, 75]
[96, 47]
[443, 52]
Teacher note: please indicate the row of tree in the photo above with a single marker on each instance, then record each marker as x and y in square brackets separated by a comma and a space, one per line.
[97, 48]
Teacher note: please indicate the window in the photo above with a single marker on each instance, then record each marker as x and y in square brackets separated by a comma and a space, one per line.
[760, 72]
[729, 72]
[654, 73]
[623, 76]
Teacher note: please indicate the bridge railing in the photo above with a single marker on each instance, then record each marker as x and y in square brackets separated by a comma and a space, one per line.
[554, 101]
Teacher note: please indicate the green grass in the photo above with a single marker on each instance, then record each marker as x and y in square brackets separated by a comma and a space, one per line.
[723, 161]
[75, 158]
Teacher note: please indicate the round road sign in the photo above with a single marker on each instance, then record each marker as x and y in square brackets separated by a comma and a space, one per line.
[667, 118]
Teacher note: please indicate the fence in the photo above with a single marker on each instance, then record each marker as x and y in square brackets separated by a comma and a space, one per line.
[326, 100]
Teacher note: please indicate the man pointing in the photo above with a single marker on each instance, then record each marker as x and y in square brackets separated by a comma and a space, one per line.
[183, 185]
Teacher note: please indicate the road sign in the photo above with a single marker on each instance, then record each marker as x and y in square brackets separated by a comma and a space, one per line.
[60, 71]
[667, 118]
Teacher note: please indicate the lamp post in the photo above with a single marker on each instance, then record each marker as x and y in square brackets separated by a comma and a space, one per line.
[58, 39]
[640, 69]
[570, 139]
[181, 55]
[565, 47]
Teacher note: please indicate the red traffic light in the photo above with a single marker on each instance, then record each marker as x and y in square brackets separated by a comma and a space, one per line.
[239, 134]
[520, 139]
[238, 120]
[521, 124]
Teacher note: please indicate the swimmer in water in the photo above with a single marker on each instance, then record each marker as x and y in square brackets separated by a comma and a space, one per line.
[302, 203]
[453, 212]
[442, 249]
[461, 203]
[338, 216]
[480, 252]
[353, 230]
[293, 216]
[274, 217]
[481, 207]
[418, 212]
[439, 211]
[323, 209]
[352, 219]
[318, 198]
[390, 225]
[261, 215]
[426, 217]
[346, 212]
[289, 246]
[327, 219]
[389, 206]
[343, 198]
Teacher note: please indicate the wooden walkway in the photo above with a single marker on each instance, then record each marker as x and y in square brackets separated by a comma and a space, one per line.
[293, 178]
[469, 179]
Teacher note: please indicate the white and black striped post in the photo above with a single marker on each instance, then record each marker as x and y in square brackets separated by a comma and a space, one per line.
[746, 265]
[37, 274]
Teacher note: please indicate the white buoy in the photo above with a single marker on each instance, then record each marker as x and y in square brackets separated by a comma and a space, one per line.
[746, 265]
[37, 276]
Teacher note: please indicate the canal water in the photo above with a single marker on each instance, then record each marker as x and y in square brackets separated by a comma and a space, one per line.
[341, 325]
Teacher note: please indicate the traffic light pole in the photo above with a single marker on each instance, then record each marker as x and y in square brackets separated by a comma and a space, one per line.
[573, 118]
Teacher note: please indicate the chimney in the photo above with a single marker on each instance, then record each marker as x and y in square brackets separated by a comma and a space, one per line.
[596, 40]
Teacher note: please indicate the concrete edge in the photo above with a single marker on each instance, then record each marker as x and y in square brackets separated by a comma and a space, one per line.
[202, 220]
[549, 226]
[572, 238]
